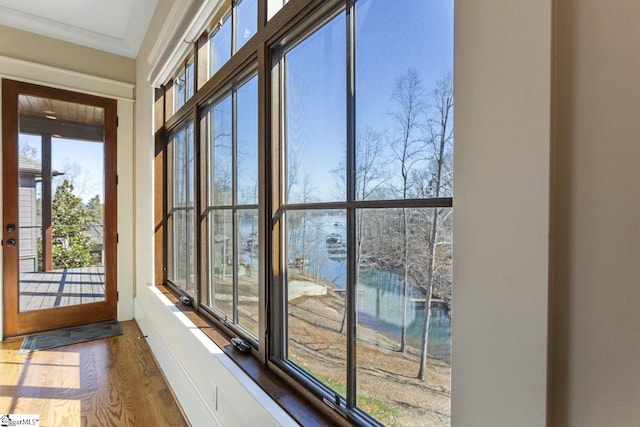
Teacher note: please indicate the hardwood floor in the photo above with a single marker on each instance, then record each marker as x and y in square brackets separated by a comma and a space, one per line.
[110, 382]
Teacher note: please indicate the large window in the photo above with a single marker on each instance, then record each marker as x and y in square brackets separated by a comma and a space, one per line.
[322, 178]
[229, 133]
[367, 119]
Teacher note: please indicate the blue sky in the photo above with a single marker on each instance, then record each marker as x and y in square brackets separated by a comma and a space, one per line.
[422, 40]
[88, 157]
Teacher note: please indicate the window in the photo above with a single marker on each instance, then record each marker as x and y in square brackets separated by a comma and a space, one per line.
[181, 222]
[229, 133]
[322, 181]
[246, 21]
[181, 89]
[220, 43]
[184, 85]
[366, 215]
[234, 28]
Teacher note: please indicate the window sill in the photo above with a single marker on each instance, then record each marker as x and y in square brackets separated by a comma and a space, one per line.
[298, 407]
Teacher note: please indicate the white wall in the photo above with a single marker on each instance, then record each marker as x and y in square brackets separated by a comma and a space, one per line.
[502, 85]
[44, 50]
[193, 364]
[596, 335]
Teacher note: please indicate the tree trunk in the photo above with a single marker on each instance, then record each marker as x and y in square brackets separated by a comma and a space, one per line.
[428, 294]
[405, 282]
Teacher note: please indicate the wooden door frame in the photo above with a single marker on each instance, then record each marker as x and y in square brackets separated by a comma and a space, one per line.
[14, 322]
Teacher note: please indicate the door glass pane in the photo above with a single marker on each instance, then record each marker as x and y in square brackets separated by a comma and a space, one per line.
[61, 203]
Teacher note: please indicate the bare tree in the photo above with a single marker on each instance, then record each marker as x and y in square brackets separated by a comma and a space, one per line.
[440, 127]
[28, 150]
[80, 178]
[370, 176]
[408, 149]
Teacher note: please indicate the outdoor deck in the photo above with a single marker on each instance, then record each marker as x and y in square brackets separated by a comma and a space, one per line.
[41, 290]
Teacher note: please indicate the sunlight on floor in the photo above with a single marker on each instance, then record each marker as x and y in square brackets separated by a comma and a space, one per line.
[43, 378]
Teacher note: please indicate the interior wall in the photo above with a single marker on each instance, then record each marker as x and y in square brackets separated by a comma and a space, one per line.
[60, 54]
[145, 150]
[502, 85]
[596, 380]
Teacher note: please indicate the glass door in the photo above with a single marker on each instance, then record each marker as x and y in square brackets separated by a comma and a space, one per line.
[58, 208]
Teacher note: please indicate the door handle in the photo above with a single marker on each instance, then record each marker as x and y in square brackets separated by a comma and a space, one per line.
[11, 242]
[11, 228]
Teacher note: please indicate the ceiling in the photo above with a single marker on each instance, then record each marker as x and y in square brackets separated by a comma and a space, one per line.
[115, 26]
[54, 109]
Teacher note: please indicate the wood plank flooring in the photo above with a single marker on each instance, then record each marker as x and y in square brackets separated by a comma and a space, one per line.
[110, 382]
[41, 290]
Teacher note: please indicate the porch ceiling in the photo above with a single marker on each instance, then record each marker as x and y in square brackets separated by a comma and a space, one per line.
[60, 118]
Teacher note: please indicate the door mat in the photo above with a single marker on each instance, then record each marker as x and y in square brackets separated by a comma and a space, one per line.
[68, 336]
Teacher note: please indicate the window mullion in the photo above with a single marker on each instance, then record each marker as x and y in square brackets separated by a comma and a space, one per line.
[265, 239]
[197, 205]
[234, 200]
[234, 24]
[351, 213]
[277, 318]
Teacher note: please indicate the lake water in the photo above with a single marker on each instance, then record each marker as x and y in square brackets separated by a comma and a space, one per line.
[380, 308]
[380, 300]
[379, 295]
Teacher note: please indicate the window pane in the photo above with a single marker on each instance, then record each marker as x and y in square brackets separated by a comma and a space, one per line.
[316, 279]
[221, 153]
[181, 269]
[247, 21]
[274, 6]
[315, 116]
[247, 267]
[402, 266]
[404, 106]
[247, 142]
[220, 46]
[183, 244]
[180, 173]
[190, 79]
[180, 90]
[171, 258]
[220, 228]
